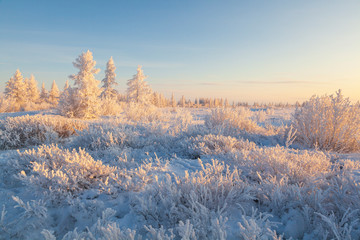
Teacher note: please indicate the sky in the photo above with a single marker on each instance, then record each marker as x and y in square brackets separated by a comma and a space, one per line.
[250, 51]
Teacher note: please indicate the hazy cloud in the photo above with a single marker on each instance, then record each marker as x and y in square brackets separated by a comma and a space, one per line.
[282, 82]
[211, 84]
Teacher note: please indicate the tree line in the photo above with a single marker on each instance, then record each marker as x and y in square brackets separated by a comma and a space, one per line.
[85, 99]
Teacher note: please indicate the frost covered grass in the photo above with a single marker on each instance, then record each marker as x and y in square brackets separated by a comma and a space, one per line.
[329, 123]
[162, 174]
[22, 131]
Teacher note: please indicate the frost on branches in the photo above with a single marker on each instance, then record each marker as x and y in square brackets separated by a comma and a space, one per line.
[54, 94]
[82, 101]
[32, 90]
[109, 80]
[138, 90]
[329, 123]
[44, 94]
[15, 91]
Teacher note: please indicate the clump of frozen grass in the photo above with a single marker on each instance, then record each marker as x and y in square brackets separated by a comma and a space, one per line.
[200, 197]
[103, 136]
[330, 123]
[230, 120]
[111, 107]
[260, 116]
[140, 112]
[31, 217]
[217, 144]
[257, 226]
[22, 131]
[63, 173]
[267, 162]
[181, 122]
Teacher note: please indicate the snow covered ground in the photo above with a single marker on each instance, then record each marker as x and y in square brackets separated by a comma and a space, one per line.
[165, 174]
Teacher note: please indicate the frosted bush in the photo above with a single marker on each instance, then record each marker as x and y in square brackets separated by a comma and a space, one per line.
[257, 226]
[111, 107]
[267, 162]
[217, 144]
[102, 137]
[30, 217]
[260, 116]
[329, 123]
[68, 173]
[5, 104]
[200, 197]
[226, 119]
[63, 171]
[140, 112]
[181, 121]
[346, 227]
[17, 132]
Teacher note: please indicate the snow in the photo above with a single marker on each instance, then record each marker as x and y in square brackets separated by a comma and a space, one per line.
[165, 174]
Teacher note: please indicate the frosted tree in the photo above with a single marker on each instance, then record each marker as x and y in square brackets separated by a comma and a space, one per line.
[138, 90]
[109, 81]
[33, 93]
[173, 102]
[82, 100]
[54, 94]
[66, 86]
[43, 94]
[182, 101]
[15, 91]
[226, 103]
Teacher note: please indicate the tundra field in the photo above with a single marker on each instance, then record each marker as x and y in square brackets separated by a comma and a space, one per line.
[183, 173]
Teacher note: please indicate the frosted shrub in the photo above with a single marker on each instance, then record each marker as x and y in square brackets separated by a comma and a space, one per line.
[68, 173]
[199, 196]
[267, 162]
[257, 226]
[140, 112]
[232, 120]
[330, 123]
[110, 106]
[63, 171]
[182, 121]
[5, 104]
[16, 132]
[102, 137]
[260, 116]
[217, 144]
[30, 217]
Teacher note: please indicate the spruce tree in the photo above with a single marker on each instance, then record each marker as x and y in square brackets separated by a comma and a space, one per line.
[15, 91]
[138, 90]
[82, 100]
[54, 94]
[173, 102]
[43, 94]
[109, 81]
[33, 93]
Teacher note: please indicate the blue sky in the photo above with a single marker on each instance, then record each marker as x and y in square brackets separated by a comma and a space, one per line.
[244, 50]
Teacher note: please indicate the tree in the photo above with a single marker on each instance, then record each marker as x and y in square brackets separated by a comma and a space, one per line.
[226, 103]
[15, 91]
[82, 100]
[182, 101]
[43, 94]
[66, 86]
[173, 102]
[109, 81]
[33, 93]
[138, 90]
[54, 94]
